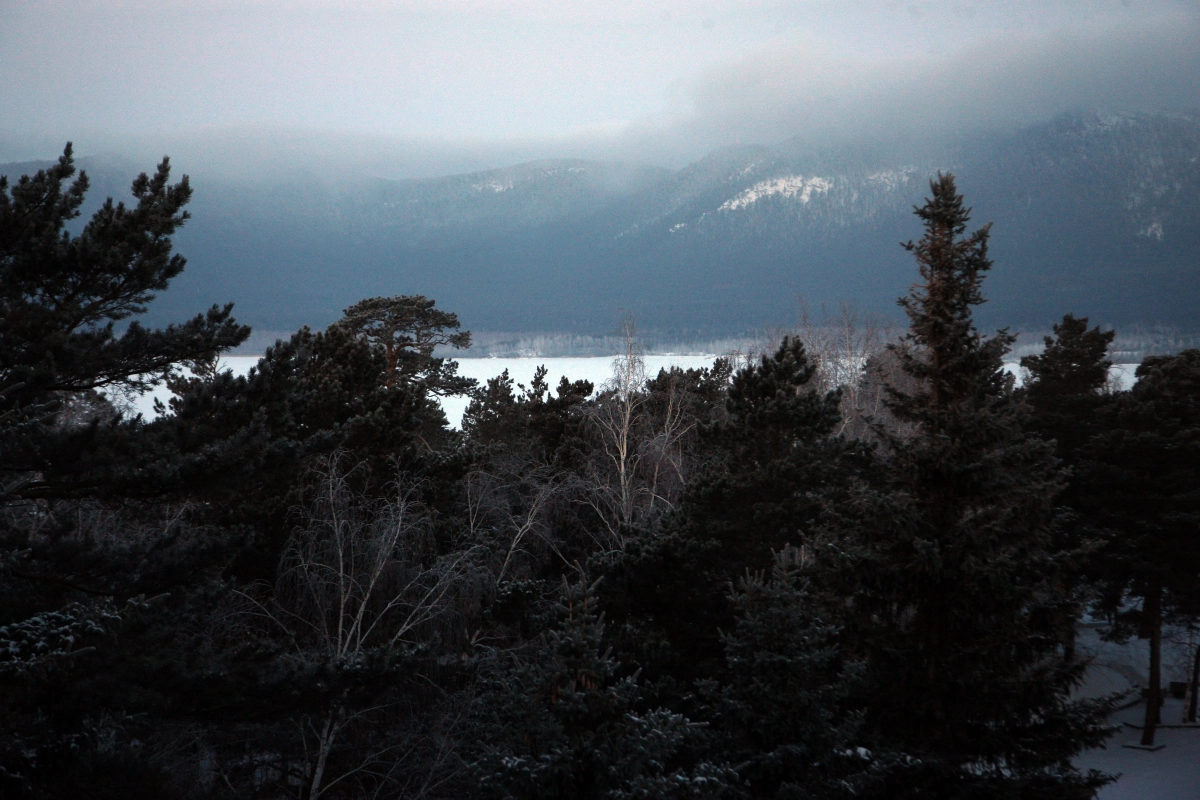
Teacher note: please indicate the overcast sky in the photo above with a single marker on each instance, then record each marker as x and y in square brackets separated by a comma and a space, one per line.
[649, 80]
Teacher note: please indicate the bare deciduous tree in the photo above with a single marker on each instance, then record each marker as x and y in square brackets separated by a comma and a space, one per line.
[616, 417]
[508, 509]
[842, 346]
[359, 580]
[640, 467]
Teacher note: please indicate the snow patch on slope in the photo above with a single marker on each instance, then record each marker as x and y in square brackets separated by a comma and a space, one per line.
[792, 186]
[891, 179]
[494, 186]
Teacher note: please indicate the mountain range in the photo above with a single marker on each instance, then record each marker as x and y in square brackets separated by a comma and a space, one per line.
[1095, 214]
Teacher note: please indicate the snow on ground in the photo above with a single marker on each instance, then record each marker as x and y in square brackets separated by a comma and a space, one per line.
[1172, 773]
[1131, 659]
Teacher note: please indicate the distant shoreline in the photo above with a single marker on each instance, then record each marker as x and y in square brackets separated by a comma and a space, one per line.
[1132, 344]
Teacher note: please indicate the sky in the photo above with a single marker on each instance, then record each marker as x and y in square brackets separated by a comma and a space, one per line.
[421, 87]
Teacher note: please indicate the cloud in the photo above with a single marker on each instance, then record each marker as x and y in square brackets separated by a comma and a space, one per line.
[410, 87]
[803, 89]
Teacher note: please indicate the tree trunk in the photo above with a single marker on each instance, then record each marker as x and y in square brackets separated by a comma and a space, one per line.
[1152, 608]
[1071, 632]
[1191, 715]
[324, 745]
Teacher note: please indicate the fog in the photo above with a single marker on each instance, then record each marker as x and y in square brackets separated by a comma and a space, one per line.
[411, 89]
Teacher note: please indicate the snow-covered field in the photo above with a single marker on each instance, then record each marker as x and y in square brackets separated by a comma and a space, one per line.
[596, 369]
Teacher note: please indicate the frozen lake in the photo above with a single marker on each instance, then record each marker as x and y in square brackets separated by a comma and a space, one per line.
[596, 369]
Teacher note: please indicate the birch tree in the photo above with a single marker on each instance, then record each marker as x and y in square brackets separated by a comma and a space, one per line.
[360, 583]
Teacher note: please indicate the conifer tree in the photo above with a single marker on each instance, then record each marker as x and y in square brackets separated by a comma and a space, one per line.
[1067, 394]
[407, 329]
[1067, 384]
[566, 724]
[1144, 488]
[535, 416]
[950, 556]
[772, 467]
[777, 714]
[61, 296]
[78, 552]
[779, 458]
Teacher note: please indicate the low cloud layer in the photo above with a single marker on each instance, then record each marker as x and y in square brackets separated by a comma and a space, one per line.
[417, 88]
[803, 90]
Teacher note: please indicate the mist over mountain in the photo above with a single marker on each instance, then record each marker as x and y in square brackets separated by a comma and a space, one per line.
[1096, 214]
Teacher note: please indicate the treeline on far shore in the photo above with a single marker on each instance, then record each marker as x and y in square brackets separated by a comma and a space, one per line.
[1131, 344]
[794, 574]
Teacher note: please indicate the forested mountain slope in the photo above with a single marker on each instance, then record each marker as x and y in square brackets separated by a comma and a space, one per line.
[1094, 213]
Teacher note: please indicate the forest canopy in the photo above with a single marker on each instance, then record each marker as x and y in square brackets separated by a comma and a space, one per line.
[771, 577]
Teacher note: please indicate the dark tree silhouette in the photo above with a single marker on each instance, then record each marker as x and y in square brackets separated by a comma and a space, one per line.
[951, 554]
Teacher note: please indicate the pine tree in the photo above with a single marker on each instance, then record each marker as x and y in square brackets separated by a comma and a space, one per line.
[407, 329]
[1144, 488]
[567, 724]
[77, 550]
[779, 459]
[244, 443]
[61, 296]
[950, 556]
[534, 416]
[772, 466]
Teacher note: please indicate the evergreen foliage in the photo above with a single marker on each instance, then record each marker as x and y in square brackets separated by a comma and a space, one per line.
[1066, 386]
[779, 460]
[950, 557]
[778, 714]
[1068, 398]
[1144, 489]
[565, 723]
[408, 329]
[79, 552]
[301, 582]
[767, 465]
[61, 295]
[498, 416]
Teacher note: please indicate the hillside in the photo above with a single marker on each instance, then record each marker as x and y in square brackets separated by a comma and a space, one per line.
[1099, 215]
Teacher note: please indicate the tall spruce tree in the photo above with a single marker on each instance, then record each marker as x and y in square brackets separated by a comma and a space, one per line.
[950, 557]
